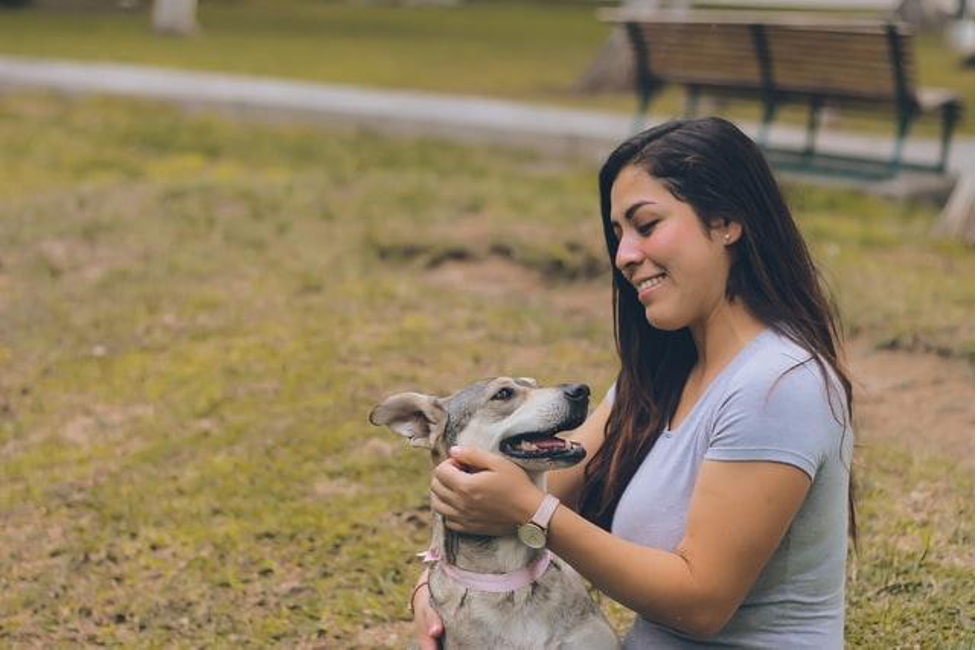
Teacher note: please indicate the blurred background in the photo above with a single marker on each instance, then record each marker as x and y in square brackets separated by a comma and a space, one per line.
[229, 228]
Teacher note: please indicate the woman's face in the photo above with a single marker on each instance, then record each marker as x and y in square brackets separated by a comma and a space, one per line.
[678, 268]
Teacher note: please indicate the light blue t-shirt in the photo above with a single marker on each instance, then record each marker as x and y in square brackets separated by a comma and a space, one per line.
[762, 407]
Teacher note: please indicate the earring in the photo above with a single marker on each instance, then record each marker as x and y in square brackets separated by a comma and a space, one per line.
[726, 238]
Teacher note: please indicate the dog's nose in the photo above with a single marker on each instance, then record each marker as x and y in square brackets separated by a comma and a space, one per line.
[576, 392]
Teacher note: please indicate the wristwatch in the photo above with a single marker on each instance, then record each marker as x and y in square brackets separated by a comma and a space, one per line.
[533, 532]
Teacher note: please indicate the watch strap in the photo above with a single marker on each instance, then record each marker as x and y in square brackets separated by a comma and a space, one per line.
[545, 511]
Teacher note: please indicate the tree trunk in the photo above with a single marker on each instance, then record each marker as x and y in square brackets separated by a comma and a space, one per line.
[957, 218]
[175, 16]
[613, 68]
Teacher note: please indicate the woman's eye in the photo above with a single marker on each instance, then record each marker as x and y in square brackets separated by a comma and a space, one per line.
[646, 228]
[503, 394]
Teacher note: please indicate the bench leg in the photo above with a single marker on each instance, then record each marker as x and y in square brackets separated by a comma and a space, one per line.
[645, 83]
[951, 114]
[691, 101]
[813, 123]
[644, 100]
[904, 121]
[769, 112]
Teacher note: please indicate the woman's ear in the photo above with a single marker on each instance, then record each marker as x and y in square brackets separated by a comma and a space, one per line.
[731, 231]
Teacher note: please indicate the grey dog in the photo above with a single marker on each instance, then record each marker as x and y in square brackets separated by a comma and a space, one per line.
[517, 419]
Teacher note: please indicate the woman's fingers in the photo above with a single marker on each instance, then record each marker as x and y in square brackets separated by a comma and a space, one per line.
[446, 495]
[475, 459]
[452, 517]
[427, 623]
[448, 474]
[449, 505]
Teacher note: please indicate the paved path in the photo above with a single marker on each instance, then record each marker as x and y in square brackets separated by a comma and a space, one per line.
[475, 119]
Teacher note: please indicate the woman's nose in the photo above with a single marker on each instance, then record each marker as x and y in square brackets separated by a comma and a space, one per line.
[628, 253]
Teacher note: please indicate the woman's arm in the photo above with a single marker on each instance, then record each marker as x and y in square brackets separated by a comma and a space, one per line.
[427, 624]
[737, 516]
[566, 484]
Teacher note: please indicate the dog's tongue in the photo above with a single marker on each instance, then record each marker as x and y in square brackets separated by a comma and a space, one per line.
[549, 443]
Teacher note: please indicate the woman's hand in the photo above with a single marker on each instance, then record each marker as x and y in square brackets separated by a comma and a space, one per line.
[427, 623]
[481, 493]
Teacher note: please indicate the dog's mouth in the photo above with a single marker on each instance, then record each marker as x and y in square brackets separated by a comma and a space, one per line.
[542, 445]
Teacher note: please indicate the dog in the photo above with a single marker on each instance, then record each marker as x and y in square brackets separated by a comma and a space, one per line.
[470, 585]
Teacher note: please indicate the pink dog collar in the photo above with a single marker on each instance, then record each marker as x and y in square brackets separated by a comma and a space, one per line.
[492, 582]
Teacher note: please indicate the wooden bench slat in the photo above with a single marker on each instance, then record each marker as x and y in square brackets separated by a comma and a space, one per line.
[805, 60]
[792, 18]
[788, 61]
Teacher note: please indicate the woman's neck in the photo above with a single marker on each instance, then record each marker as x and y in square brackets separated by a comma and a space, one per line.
[721, 335]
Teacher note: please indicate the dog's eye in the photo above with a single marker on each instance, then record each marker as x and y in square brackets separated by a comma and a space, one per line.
[503, 394]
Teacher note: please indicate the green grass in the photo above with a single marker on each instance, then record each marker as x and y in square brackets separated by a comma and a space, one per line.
[531, 51]
[912, 584]
[198, 315]
[889, 288]
[504, 49]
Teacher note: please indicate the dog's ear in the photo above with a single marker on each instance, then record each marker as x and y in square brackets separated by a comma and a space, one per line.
[418, 417]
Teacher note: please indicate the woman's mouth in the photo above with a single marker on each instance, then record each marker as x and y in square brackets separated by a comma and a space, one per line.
[645, 287]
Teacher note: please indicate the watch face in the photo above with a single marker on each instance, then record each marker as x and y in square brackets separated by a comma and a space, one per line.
[532, 535]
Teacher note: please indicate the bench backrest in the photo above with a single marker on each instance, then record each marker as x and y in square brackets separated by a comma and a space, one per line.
[869, 64]
[860, 62]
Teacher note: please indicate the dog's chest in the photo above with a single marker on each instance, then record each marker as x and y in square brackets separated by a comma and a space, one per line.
[535, 616]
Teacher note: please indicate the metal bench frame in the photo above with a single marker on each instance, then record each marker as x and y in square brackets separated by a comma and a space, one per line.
[772, 97]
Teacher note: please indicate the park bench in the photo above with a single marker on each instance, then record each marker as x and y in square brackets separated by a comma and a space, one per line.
[789, 59]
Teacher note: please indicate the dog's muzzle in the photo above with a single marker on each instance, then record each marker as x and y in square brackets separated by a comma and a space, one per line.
[544, 445]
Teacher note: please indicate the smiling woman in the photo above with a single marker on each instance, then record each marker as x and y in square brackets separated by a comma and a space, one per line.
[658, 226]
[716, 499]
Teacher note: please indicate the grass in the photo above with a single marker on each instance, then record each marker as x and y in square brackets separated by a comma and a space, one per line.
[531, 51]
[899, 299]
[199, 314]
[506, 49]
[907, 589]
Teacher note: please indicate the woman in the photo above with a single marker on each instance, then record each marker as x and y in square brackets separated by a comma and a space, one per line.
[716, 499]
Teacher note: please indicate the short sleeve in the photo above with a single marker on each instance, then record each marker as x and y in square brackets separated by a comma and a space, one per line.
[783, 415]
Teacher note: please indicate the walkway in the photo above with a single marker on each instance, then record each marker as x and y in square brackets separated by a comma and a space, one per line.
[475, 119]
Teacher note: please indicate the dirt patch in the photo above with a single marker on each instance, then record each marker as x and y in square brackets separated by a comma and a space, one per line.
[923, 400]
[102, 422]
[590, 298]
[491, 276]
[326, 489]
[380, 447]
[389, 635]
[92, 247]
[413, 519]
[497, 275]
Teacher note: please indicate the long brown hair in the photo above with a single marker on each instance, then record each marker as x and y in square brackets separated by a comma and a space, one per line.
[722, 174]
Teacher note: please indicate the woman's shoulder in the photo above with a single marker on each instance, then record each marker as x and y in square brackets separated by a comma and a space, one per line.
[782, 369]
[780, 405]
